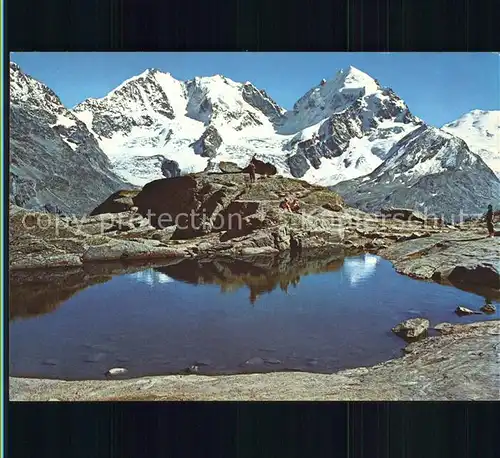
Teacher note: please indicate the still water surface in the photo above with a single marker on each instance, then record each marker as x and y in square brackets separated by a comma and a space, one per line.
[223, 316]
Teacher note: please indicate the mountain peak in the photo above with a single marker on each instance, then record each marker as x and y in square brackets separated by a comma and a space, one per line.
[148, 73]
[25, 88]
[350, 69]
[212, 79]
[347, 88]
[353, 78]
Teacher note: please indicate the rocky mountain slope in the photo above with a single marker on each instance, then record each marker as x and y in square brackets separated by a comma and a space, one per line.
[54, 160]
[340, 129]
[429, 170]
[481, 131]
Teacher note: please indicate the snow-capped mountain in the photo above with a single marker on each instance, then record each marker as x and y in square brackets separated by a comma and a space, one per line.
[481, 131]
[364, 122]
[430, 170]
[338, 130]
[54, 159]
[155, 114]
[349, 131]
[334, 96]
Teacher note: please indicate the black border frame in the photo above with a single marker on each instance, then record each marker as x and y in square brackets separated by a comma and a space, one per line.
[286, 429]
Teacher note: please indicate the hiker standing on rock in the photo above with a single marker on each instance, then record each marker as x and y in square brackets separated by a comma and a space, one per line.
[489, 221]
[251, 172]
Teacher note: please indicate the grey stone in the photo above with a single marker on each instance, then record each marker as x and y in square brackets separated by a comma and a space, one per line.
[461, 310]
[488, 308]
[412, 328]
[117, 371]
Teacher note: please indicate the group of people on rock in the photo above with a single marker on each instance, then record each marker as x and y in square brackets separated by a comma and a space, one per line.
[290, 204]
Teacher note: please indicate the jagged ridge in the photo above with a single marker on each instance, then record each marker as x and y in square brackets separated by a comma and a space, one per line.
[55, 162]
[430, 170]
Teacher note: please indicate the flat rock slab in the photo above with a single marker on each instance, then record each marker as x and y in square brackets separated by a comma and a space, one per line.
[461, 365]
[466, 260]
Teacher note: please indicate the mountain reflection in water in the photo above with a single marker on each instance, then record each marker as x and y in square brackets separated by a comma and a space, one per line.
[39, 292]
[359, 269]
[260, 276]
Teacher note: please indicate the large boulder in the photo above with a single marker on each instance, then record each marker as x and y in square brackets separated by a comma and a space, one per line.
[229, 167]
[486, 274]
[261, 167]
[163, 200]
[191, 202]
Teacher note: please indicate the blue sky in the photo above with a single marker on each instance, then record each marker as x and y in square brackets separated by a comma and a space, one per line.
[438, 87]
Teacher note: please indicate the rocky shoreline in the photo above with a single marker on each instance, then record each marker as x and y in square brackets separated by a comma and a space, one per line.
[119, 231]
[460, 364]
[229, 215]
[465, 259]
[118, 237]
